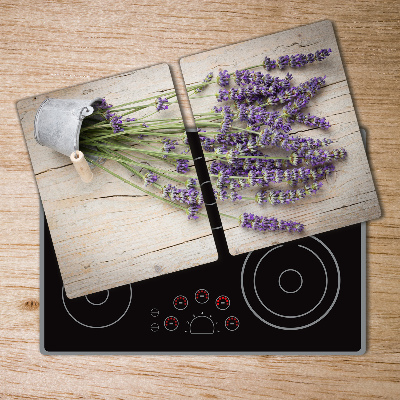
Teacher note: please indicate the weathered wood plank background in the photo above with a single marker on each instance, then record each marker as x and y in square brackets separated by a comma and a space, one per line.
[107, 233]
[348, 195]
[48, 45]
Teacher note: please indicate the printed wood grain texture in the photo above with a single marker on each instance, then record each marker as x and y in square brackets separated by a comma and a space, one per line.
[48, 45]
[348, 195]
[107, 233]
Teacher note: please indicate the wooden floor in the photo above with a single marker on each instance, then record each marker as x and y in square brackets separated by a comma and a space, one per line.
[48, 45]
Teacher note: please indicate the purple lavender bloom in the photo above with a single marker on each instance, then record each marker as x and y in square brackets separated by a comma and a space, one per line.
[223, 78]
[287, 196]
[192, 210]
[257, 88]
[234, 196]
[221, 194]
[282, 62]
[168, 145]
[263, 224]
[269, 64]
[296, 61]
[294, 159]
[223, 95]
[145, 125]
[104, 105]
[161, 104]
[130, 119]
[182, 166]
[191, 183]
[150, 178]
[242, 77]
[223, 179]
[207, 143]
[185, 196]
[312, 120]
[115, 121]
[322, 54]
[319, 157]
[228, 117]
[206, 80]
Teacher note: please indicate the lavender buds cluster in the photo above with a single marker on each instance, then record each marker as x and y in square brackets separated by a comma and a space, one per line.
[296, 61]
[246, 139]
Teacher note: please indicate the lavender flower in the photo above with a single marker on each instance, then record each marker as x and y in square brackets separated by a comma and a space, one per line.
[161, 104]
[206, 80]
[168, 145]
[242, 77]
[192, 210]
[191, 197]
[191, 183]
[223, 95]
[258, 223]
[234, 196]
[182, 166]
[223, 78]
[104, 105]
[207, 143]
[228, 116]
[295, 61]
[312, 120]
[319, 157]
[115, 121]
[150, 178]
[287, 196]
[185, 196]
[221, 194]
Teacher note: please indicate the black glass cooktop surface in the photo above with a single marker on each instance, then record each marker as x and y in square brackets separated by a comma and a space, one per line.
[303, 297]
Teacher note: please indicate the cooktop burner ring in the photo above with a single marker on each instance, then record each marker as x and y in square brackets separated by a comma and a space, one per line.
[103, 303]
[290, 269]
[303, 320]
[280, 280]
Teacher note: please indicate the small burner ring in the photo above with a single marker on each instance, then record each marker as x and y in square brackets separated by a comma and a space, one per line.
[280, 280]
[101, 303]
[82, 305]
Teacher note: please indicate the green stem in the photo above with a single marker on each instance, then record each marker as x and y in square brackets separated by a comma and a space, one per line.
[141, 189]
[132, 162]
[229, 216]
[128, 148]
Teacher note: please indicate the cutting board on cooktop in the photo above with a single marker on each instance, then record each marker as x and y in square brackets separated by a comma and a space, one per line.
[348, 196]
[107, 233]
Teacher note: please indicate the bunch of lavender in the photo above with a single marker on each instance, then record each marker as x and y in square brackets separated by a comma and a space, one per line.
[132, 136]
[242, 130]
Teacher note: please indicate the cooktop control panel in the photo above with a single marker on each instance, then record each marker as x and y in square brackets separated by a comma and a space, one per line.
[197, 313]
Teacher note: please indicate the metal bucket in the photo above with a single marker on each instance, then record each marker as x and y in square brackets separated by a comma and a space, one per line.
[58, 123]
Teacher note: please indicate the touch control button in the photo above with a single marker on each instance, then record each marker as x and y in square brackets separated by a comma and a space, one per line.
[154, 327]
[180, 302]
[231, 323]
[171, 323]
[154, 312]
[202, 296]
[222, 302]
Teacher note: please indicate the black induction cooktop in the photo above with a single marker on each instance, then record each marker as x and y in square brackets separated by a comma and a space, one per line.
[307, 296]
[303, 297]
